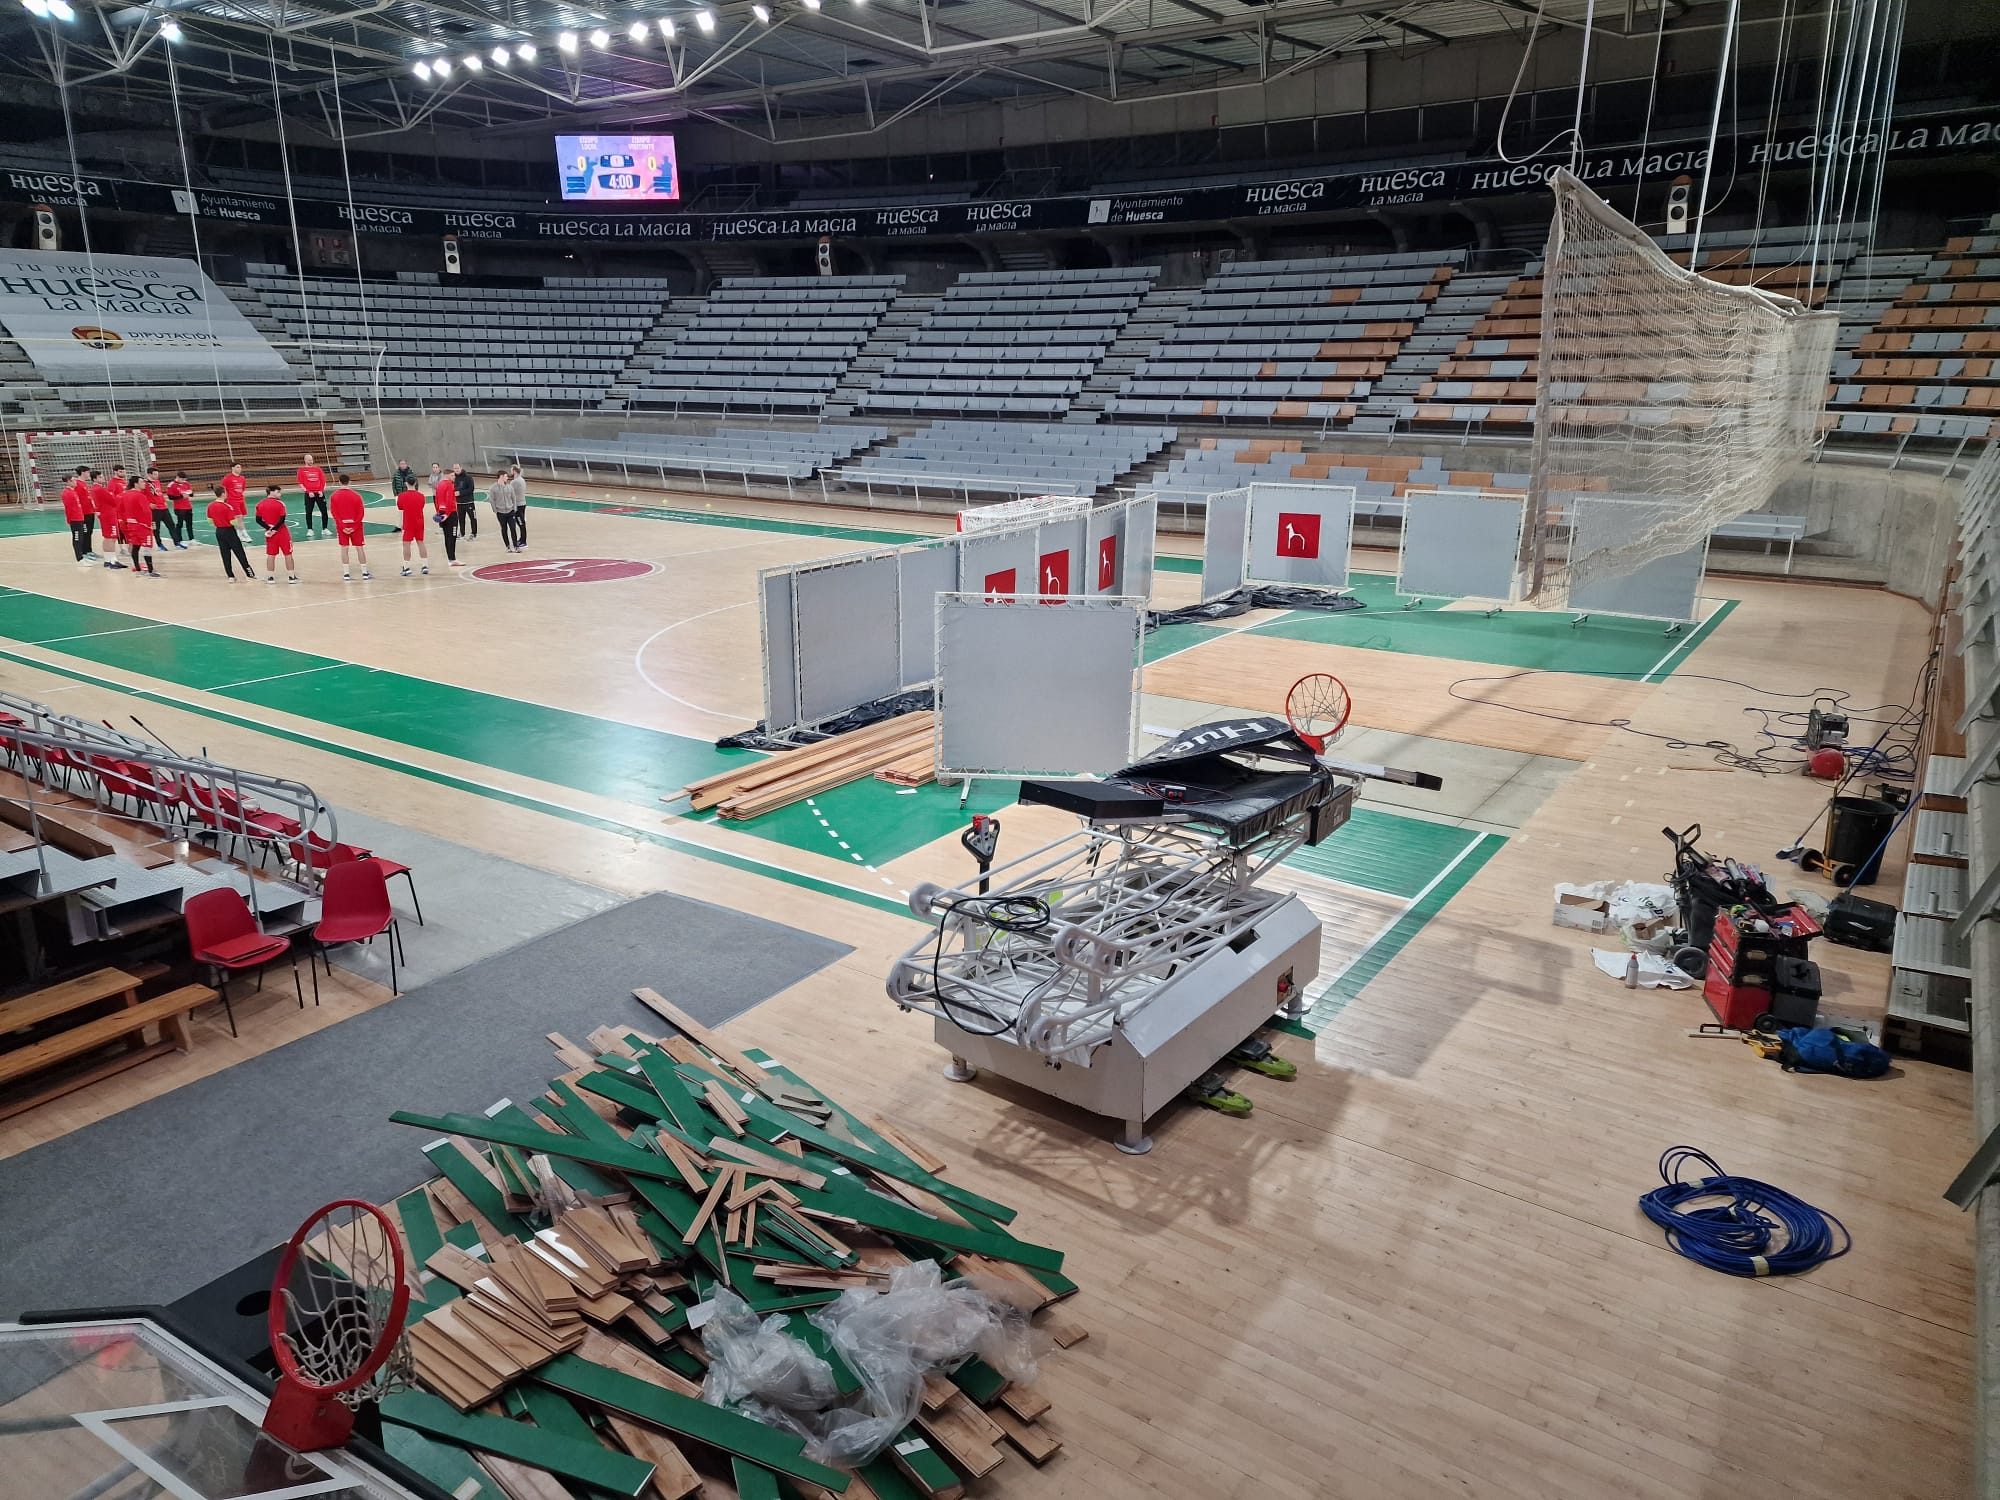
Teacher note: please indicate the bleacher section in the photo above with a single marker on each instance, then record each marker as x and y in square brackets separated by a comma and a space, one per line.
[1013, 458]
[1018, 343]
[766, 343]
[559, 344]
[1286, 341]
[766, 454]
[1377, 478]
[1928, 368]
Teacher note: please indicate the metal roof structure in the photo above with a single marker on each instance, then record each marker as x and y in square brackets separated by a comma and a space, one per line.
[773, 68]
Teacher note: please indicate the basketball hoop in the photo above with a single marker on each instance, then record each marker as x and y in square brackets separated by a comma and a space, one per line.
[338, 1305]
[1317, 708]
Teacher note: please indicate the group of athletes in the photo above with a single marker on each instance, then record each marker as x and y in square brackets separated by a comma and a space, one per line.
[139, 521]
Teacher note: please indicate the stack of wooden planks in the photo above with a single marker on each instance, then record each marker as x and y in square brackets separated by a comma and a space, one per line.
[558, 1354]
[791, 776]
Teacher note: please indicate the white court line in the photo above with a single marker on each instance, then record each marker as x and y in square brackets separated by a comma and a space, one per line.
[834, 834]
[1389, 926]
[332, 666]
[639, 664]
[1687, 641]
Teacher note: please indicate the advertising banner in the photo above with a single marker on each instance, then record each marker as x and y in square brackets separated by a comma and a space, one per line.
[1957, 133]
[123, 318]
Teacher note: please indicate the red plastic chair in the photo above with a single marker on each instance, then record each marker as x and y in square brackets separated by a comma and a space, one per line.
[354, 908]
[314, 852]
[223, 934]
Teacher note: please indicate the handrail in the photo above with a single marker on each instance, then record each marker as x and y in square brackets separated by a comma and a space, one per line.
[46, 745]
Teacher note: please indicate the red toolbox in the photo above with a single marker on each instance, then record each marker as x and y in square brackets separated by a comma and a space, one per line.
[1743, 959]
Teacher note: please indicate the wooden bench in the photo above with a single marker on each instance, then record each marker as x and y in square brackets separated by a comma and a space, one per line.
[128, 1023]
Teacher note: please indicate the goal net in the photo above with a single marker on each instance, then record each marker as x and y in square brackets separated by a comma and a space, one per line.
[49, 458]
[1689, 400]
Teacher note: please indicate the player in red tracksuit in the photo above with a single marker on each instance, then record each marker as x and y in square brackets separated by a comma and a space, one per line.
[234, 487]
[136, 527]
[163, 516]
[348, 509]
[180, 494]
[104, 504]
[77, 512]
[444, 501]
[312, 479]
[229, 536]
[412, 505]
[277, 535]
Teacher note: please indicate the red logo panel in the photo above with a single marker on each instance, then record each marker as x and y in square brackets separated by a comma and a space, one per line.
[1053, 577]
[1107, 564]
[1298, 533]
[1000, 584]
[564, 570]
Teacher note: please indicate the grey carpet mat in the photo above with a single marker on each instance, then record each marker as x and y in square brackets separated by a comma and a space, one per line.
[153, 1202]
[475, 904]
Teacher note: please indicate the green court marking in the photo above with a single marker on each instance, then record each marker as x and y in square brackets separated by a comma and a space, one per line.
[1603, 646]
[884, 901]
[1448, 882]
[587, 754]
[878, 820]
[1384, 851]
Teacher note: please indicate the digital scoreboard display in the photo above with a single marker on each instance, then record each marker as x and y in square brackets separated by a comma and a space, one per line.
[609, 168]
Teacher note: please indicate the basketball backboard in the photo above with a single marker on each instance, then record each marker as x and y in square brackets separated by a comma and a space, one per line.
[124, 1409]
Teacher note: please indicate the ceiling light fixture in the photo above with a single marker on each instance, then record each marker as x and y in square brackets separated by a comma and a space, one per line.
[62, 10]
[812, 4]
[39, 9]
[525, 52]
[171, 30]
[566, 42]
[667, 29]
[501, 56]
[762, 13]
[705, 19]
[423, 71]
[600, 39]
[441, 66]
[473, 64]
[637, 31]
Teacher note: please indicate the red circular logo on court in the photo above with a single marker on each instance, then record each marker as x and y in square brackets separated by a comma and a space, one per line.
[564, 570]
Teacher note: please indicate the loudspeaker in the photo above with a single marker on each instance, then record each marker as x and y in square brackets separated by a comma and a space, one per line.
[48, 229]
[1677, 205]
[825, 256]
[451, 265]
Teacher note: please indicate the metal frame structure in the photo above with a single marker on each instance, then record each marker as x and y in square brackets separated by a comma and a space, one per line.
[911, 640]
[1220, 534]
[349, 71]
[1583, 613]
[41, 744]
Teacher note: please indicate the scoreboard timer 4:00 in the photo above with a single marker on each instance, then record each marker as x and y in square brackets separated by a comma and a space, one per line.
[635, 168]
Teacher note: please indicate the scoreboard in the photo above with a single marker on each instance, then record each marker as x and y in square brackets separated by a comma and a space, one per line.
[610, 168]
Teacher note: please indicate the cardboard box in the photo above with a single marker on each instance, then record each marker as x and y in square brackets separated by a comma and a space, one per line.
[1584, 912]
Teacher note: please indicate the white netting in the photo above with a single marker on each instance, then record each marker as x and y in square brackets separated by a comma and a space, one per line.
[1027, 511]
[49, 458]
[1688, 399]
[338, 1306]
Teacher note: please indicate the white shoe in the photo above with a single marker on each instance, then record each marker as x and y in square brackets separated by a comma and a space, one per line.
[346, 577]
[427, 570]
[293, 579]
[366, 574]
[270, 578]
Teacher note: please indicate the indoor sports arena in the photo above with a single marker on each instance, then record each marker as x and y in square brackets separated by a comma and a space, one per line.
[999, 748]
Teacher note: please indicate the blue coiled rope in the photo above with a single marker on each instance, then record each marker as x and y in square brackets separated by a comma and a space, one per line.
[1739, 1225]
